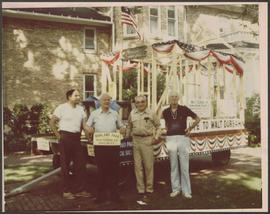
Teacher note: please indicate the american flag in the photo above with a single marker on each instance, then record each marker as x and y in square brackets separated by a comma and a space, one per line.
[129, 19]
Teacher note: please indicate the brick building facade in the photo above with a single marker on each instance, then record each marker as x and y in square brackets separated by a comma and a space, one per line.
[44, 58]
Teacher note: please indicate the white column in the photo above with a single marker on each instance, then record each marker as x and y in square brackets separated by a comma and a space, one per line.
[242, 97]
[186, 82]
[103, 78]
[142, 78]
[120, 80]
[180, 84]
[209, 86]
[148, 85]
[154, 83]
[138, 80]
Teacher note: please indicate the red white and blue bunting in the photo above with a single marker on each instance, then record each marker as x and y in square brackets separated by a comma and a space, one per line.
[197, 53]
[110, 58]
[207, 144]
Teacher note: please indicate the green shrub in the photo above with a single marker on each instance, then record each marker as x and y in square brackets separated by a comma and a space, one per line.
[20, 124]
[16, 127]
[39, 117]
[252, 119]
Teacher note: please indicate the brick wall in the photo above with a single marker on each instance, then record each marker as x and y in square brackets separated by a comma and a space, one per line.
[42, 60]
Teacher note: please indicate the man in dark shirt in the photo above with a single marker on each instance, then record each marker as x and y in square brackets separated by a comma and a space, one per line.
[177, 142]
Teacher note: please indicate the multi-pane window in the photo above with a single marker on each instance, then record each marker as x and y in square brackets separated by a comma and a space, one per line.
[171, 21]
[130, 30]
[89, 39]
[89, 85]
[154, 20]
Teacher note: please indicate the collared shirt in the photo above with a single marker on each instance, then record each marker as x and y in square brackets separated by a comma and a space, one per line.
[104, 121]
[176, 124]
[143, 123]
[70, 118]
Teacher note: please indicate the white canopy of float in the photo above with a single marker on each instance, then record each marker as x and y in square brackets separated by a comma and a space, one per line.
[203, 77]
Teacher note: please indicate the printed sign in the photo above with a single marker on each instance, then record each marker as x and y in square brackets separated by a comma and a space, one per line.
[216, 125]
[107, 139]
[43, 144]
[90, 150]
[135, 53]
[201, 107]
[126, 151]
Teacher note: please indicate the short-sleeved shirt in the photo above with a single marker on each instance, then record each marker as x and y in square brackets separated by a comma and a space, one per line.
[70, 118]
[104, 121]
[178, 125]
[143, 123]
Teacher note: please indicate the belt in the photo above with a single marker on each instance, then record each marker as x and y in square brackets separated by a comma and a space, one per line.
[71, 133]
[139, 135]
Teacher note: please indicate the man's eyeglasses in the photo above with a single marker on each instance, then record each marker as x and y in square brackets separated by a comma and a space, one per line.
[140, 102]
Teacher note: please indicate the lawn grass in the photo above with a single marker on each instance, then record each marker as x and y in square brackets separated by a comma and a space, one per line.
[25, 173]
[235, 186]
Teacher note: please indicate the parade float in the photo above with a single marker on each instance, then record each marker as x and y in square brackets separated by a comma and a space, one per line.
[209, 82]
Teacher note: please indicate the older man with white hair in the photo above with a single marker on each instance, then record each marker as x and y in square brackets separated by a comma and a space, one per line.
[178, 144]
[105, 119]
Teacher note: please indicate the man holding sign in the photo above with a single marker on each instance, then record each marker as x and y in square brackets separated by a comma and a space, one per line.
[103, 123]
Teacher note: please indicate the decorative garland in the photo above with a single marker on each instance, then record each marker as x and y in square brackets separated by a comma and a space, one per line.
[200, 145]
[200, 53]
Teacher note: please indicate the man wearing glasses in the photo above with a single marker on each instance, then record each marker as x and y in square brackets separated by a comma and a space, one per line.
[144, 127]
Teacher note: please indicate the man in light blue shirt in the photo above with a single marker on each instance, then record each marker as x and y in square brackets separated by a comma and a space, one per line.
[104, 119]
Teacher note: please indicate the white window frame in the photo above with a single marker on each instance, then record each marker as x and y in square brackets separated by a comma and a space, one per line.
[95, 85]
[95, 40]
[158, 33]
[175, 23]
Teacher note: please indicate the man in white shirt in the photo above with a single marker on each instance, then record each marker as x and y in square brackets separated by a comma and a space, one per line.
[71, 118]
[104, 119]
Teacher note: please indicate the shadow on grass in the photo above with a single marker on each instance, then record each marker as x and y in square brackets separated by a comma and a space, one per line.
[235, 186]
[25, 173]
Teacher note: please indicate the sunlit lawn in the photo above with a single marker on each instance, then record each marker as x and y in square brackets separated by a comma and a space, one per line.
[24, 173]
[235, 186]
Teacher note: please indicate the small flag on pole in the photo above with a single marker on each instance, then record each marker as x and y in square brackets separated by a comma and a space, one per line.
[129, 19]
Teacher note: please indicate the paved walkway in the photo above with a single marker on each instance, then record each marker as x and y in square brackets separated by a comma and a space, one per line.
[46, 195]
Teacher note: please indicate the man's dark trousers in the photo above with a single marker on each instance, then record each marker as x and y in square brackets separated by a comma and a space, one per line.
[107, 160]
[72, 150]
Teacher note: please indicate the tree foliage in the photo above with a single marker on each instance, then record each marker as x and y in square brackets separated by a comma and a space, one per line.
[130, 84]
[20, 123]
[252, 118]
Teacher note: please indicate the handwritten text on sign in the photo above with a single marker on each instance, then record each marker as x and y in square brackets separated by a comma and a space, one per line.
[107, 139]
[216, 125]
[201, 107]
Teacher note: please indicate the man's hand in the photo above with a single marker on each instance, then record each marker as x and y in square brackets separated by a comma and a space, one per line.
[90, 130]
[188, 130]
[155, 141]
[57, 134]
[122, 131]
[53, 121]
[163, 131]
